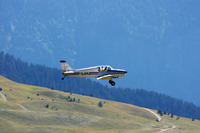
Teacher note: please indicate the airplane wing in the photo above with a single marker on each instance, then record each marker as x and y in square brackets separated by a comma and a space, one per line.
[105, 77]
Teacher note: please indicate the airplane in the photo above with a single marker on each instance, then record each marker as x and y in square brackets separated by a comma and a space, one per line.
[100, 72]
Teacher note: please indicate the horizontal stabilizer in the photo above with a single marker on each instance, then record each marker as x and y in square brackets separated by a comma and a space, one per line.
[105, 77]
[68, 72]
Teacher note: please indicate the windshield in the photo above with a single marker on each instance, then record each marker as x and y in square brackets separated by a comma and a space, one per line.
[104, 68]
[108, 68]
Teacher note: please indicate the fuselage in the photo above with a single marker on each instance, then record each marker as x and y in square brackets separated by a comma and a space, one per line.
[95, 72]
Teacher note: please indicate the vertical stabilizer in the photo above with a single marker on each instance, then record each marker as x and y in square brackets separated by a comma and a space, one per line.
[64, 66]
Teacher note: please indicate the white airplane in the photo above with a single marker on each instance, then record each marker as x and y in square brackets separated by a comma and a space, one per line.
[99, 72]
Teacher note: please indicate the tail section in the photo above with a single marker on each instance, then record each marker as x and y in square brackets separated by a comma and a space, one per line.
[64, 66]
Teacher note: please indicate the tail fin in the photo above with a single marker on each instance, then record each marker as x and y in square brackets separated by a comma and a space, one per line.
[64, 66]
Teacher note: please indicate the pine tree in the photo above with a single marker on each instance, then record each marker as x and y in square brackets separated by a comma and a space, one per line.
[74, 99]
[100, 104]
[79, 100]
[47, 106]
[160, 112]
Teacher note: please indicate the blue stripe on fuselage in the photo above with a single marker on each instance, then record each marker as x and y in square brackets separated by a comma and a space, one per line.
[108, 72]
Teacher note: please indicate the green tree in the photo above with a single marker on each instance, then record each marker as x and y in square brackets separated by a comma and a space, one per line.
[70, 100]
[100, 104]
[160, 112]
[79, 100]
[47, 106]
[74, 99]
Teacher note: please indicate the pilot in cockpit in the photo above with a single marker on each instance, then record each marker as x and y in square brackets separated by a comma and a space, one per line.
[105, 68]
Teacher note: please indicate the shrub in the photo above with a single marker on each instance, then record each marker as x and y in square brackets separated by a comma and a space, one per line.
[47, 106]
[70, 100]
[100, 104]
[68, 97]
[74, 99]
[160, 112]
[79, 100]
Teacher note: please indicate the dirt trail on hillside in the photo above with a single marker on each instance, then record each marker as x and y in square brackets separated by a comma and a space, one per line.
[166, 129]
[3, 96]
[24, 108]
[159, 119]
[21, 106]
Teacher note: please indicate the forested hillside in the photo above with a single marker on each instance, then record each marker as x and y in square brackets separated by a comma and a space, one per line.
[23, 72]
[157, 41]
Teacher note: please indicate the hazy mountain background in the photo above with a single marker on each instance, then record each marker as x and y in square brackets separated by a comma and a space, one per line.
[157, 42]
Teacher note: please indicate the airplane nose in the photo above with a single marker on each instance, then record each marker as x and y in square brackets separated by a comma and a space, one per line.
[125, 71]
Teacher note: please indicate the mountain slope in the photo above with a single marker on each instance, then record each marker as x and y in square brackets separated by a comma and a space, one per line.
[156, 41]
[84, 116]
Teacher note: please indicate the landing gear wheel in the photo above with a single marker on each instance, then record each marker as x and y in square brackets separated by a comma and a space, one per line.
[112, 82]
[63, 78]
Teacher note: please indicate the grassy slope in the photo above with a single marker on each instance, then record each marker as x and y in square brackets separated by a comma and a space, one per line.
[63, 116]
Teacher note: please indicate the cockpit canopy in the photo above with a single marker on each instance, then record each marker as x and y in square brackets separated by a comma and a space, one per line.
[104, 68]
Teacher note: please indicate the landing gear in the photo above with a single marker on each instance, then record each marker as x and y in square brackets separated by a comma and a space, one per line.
[112, 82]
[63, 78]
